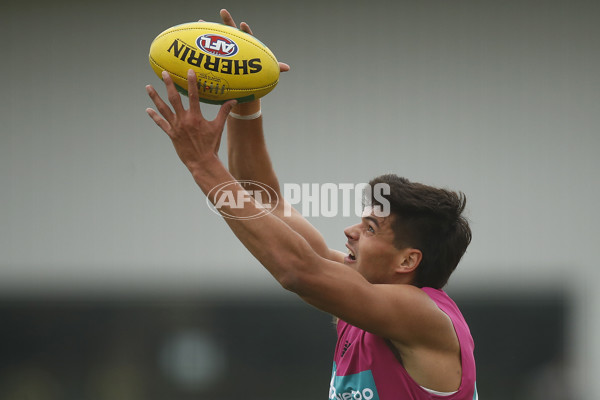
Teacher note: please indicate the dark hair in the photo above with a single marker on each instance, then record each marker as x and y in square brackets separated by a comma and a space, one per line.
[428, 219]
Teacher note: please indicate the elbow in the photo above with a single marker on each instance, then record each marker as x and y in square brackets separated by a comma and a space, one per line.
[295, 278]
[295, 268]
[289, 281]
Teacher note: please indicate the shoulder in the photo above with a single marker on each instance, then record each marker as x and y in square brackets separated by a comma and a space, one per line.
[408, 315]
[430, 325]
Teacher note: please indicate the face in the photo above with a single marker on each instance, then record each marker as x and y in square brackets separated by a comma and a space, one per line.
[371, 249]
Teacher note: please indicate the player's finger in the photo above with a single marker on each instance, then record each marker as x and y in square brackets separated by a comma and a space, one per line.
[161, 106]
[224, 112]
[227, 18]
[283, 67]
[193, 92]
[172, 94]
[246, 28]
[164, 125]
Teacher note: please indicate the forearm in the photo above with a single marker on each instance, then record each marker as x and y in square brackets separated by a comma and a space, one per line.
[249, 159]
[280, 249]
[248, 156]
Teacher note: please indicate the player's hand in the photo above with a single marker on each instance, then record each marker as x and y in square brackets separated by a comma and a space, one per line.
[253, 106]
[228, 20]
[195, 139]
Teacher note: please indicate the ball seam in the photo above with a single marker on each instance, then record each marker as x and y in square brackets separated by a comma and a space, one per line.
[240, 89]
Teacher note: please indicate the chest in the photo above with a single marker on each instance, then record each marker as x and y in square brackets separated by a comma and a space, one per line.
[357, 351]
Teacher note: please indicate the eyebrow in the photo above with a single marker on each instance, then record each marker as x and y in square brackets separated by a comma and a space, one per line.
[369, 218]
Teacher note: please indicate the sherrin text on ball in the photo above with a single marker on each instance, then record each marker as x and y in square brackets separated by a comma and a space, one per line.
[230, 64]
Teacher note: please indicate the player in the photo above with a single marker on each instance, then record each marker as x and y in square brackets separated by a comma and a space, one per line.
[399, 335]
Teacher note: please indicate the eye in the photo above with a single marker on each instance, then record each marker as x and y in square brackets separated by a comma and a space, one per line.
[370, 229]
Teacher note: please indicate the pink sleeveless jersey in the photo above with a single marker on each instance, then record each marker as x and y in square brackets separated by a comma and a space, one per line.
[365, 368]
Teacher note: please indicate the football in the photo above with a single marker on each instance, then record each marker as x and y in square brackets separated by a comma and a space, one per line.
[230, 64]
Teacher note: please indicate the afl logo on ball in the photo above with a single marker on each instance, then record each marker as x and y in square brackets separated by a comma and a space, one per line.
[217, 45]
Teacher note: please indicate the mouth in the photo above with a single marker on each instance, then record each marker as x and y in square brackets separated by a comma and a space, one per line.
[351, 257]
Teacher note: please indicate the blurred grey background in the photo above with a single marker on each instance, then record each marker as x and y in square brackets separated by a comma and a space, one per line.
[117, 281]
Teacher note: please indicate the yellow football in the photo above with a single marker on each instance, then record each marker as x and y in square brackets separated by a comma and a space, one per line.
[229, 63]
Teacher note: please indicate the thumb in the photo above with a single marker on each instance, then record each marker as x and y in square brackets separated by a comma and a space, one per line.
[224, 112]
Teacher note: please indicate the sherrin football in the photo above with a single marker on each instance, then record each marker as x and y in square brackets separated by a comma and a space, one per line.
[229, 63]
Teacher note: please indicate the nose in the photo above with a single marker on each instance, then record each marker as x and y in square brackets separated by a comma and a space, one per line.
[352, 232]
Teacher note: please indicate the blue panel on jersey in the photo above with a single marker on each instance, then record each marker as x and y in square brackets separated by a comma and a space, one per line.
[359, 386]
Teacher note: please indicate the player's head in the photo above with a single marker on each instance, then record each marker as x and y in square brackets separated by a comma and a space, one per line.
[428, 219]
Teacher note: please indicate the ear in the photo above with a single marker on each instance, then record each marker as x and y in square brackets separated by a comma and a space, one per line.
[409, 259]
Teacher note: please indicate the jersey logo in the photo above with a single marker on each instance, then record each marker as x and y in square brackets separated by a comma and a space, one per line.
[346, 346]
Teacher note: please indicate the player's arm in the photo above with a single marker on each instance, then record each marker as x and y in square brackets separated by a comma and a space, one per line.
[399, 312]
[249, 159]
